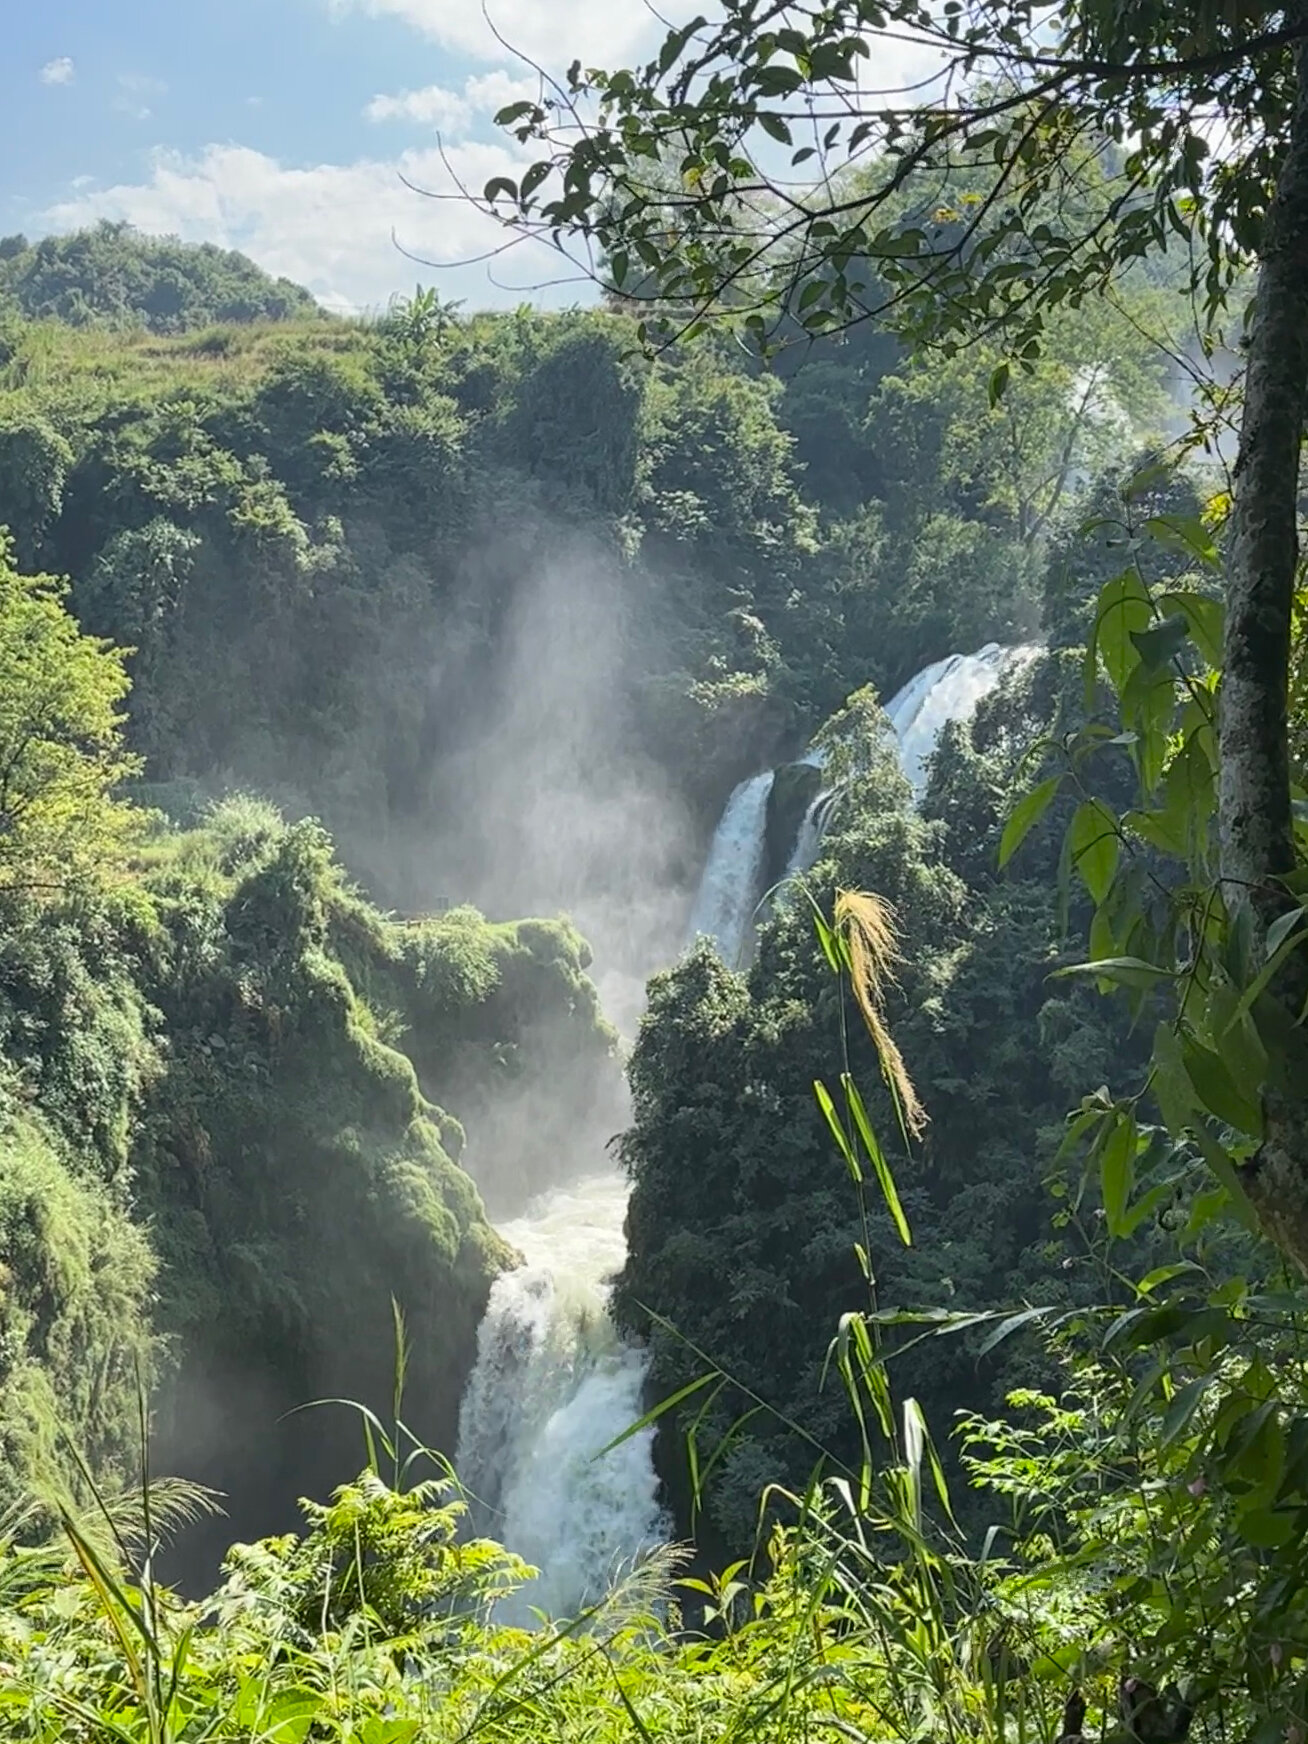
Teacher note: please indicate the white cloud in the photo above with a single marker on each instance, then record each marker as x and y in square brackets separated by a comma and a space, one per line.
[58, 72]
[433, 106]
[450, 112]
[491, 92]
[553, 32]
[333, 227]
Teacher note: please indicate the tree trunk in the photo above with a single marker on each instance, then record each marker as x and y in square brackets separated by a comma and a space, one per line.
[1257, 839]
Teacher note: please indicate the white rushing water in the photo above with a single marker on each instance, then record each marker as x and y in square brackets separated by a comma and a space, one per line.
[948, 691]
[553, 1385]
[811, 831]
[553, 1382]
[728, 891]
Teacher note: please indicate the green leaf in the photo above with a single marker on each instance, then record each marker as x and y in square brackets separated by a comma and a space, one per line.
[1260, 1463]
[917, 1441]
[1077, 1129]
[1094, 847]
[1025, 815]
[1010, 1324]
[882, 1168]
[1159, 829]
[1117, 1173]
[1159, 646]
[838, 1132]
[1145, 1207]
[1176, 1418]
[1217, 1089]
[1121, 971]
[1123, 608]
[674, 43]
[1205, 618]
[1266, 1529]
[1280, 930]
[1186, 534]
[659, 1410]
[774, 127]
[288, 1719]
[827, 939]
[533, 177]
[1181, 1110]
[999, 380]
[376, 1730]
[1168, 1275]
[1285, 946]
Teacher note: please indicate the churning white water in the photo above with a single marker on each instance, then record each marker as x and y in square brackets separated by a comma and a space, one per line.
[554, 1384]
[948, 691]
[728, 891]
[811, 831]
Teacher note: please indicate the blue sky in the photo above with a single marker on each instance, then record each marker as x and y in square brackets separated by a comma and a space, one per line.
[282, 127]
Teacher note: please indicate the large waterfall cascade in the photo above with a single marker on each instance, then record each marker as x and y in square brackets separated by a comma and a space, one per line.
[554, 1384]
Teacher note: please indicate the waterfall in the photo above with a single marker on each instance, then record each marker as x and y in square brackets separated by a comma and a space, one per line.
[729, 890]
[553, 1384]
[947, 690]
[811, 831]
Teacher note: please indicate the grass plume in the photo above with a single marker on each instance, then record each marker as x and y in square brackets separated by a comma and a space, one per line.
[866, 924]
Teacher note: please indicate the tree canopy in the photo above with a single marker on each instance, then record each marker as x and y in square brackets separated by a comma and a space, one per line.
[62, 759]
[112, 277]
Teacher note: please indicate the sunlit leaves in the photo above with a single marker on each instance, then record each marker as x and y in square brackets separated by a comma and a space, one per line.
[1124, 611]
[61, 740]
[1186, 534]
[1161, 929]
[860, 1129]
[1025, 815]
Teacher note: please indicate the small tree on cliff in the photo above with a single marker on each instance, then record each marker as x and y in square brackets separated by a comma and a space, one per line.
[61, 748]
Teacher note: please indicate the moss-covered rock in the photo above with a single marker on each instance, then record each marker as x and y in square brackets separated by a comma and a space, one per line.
[794, 788]
[504, 1029]
[75, 1284]
[230, 1146]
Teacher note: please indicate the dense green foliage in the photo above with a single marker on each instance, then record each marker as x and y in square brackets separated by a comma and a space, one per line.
[742, 1226]
[219, 1169]
[111, 277]
[230, 1083]
[60, 752]
[215, 1052]
[321, 538]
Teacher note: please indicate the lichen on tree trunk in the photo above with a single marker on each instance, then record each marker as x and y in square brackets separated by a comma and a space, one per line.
[1257, 839]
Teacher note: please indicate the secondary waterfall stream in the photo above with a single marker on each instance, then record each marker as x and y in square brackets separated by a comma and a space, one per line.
[554, 1384]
